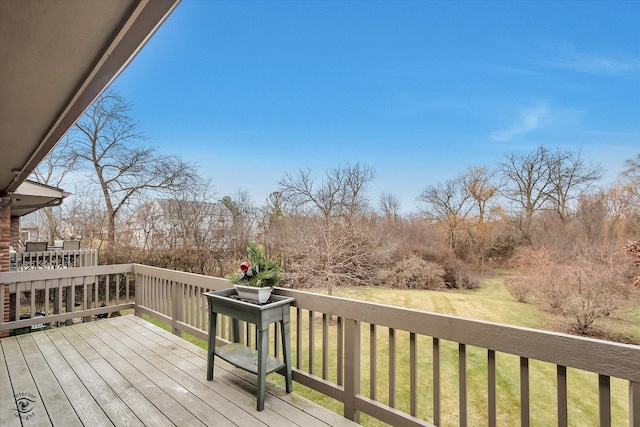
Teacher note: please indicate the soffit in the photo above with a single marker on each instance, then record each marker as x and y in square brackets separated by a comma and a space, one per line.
[31, 196]
[57, 57]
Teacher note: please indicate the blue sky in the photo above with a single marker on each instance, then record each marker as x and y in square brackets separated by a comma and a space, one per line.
[418, 90]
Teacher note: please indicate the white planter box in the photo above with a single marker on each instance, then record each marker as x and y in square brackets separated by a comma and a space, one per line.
[253, 293]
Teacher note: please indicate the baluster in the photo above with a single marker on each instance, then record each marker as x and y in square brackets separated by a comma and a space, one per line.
[561, 376]
[325, 346]
[32, 299]
[373, 362]
[392, 367]
[491, 387]
[413, 374]
[604, 398]
[276, 339]
[117, 289]
[47, 285]
[436, 381]
[524, 392]
[298, 337]
[126, 288]
[340, 345]
[462, 382]
[312, 347]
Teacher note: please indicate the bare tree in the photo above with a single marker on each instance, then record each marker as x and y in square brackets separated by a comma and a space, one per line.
[243, 225]
[481, 186]
[108, 139]
[621, 207]
[390, 207]
[571, 177]
[331, 247]
[449, 204]
[528, 181]
[84, 215]
[545, 180]
[52, 171]
[271, 218]
[631, 176]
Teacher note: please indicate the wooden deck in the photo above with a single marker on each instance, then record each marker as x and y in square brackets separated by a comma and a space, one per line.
[126, 371]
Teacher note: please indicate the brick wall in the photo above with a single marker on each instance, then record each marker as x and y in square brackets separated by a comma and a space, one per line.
[5, 241]
[14, 228]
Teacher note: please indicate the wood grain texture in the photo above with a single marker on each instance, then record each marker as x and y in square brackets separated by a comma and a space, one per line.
[54, 399]
[125, 371]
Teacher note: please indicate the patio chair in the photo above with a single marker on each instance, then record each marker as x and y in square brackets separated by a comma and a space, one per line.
[36, 247]
[71, 245]
[33, 260]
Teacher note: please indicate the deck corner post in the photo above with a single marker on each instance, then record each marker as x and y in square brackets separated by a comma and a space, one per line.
[176, 310]
[351, 369]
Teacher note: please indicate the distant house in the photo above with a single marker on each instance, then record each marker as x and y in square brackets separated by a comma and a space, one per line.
[178, 224]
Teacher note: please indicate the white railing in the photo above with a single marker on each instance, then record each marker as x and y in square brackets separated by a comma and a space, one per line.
[38, 260]
[342, 348]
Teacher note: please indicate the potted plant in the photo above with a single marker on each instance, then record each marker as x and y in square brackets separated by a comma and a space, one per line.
[257, 276]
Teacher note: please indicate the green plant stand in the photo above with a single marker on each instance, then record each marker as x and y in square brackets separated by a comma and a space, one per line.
[258, 362]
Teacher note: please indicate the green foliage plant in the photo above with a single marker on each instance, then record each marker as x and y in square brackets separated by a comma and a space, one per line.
[259, 270]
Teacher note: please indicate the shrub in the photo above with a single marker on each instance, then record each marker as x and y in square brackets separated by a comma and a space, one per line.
[590, 284]
[459, 275]
[413, 273]
[520, 287]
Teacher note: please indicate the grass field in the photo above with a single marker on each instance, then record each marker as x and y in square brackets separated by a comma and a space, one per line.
[490, 302]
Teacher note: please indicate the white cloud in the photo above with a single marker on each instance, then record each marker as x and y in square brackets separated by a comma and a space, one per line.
[593, 64]
[528, 120]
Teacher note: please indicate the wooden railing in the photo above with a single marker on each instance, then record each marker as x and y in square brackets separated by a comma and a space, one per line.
[342, 348]
[41, 297]
[332, 360]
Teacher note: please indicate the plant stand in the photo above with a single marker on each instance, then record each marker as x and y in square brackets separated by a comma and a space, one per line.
[255, 361]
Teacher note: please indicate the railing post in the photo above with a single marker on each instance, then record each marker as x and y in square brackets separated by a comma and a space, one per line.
[177, 292]
[138, 289]
[351, 369]
[634, 404]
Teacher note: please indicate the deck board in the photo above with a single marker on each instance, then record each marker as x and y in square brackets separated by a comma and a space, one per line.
[298, 410]
[127, 371]
[8, 408]
[58, 406]
[23, 384]
[97, 388]
[245, 390]
[133, 387]
[87, 409]
[181, 372]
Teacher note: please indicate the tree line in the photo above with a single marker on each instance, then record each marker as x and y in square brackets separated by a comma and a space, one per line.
[543, 214]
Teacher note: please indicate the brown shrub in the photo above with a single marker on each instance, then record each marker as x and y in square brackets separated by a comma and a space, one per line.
[459, 275]
[520, 287]
[592, 283]
[413, 273]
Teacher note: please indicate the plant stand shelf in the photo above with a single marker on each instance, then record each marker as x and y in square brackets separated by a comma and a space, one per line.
[256, 361]
[246, 358]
